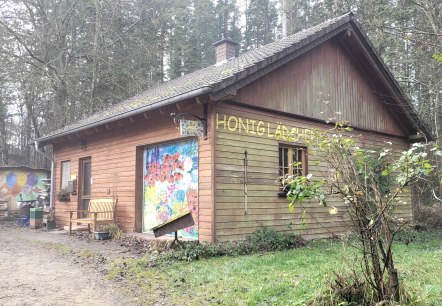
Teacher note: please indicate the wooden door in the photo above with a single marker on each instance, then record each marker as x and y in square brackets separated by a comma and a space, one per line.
[85, 184]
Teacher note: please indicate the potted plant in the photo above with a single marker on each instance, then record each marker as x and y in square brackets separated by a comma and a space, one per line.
[102, 232]
[284, 186]
[63, 195]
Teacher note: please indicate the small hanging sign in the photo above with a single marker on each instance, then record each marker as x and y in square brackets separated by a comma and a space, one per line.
[191, 127]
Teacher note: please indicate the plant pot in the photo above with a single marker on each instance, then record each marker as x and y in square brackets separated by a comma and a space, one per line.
[101, 235]
[50, 225]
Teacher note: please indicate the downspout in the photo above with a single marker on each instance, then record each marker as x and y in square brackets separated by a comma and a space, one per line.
[51, 194]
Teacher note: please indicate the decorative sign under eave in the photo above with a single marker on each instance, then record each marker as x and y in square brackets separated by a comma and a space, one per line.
[191, 127]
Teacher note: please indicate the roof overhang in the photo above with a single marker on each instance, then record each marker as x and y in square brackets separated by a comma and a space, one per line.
[23, 168]
[417, 128]
[188, 95]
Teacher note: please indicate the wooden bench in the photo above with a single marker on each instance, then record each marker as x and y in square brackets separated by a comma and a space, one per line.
[99, 211]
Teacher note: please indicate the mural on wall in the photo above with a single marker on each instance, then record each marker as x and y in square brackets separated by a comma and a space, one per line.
[171, 184]
[21, 184]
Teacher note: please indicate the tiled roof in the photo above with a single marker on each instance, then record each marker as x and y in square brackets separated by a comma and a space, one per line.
[208, 77]
[214, 79]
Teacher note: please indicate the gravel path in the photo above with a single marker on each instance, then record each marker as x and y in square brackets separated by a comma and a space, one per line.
[31, 274]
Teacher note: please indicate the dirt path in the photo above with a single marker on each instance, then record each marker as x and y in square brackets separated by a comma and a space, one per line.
[31, 273]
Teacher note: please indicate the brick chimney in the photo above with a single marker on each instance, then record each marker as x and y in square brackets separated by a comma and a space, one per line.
[225, 49]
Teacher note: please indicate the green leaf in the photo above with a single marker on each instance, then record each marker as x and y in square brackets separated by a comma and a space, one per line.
[385, 172]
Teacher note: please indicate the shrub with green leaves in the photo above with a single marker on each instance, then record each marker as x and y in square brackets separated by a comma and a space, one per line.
[370, 182]
[263, 240]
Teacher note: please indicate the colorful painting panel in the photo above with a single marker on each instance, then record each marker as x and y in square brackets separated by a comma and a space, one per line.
[21, 185]
[171, 184]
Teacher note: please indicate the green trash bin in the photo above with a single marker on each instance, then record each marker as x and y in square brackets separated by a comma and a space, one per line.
[36, 213]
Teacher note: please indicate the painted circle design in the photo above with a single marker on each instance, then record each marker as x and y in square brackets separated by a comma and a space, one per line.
[11, 179]
[32, 179]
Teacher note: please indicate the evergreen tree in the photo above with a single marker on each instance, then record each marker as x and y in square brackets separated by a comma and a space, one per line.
[262, 21]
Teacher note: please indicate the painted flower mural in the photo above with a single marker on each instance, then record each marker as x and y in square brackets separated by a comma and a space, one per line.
[23, 185]
[171, 184]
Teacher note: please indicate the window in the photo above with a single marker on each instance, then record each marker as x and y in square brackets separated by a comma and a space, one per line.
[292, 160]
[65, 173]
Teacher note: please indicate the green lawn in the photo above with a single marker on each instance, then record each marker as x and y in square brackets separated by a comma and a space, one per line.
[294, 277]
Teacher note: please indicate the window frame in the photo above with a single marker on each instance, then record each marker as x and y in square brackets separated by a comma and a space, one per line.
[68, 178]
[291, 147]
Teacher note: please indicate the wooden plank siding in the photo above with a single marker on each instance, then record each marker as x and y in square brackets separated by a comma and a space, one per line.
[114, 152]
[326, 73]
[265, 208]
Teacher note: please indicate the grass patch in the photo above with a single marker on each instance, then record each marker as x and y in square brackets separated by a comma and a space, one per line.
[419, 262]
[291, 277]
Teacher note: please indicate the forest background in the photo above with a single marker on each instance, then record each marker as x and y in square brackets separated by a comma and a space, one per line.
[64, 60]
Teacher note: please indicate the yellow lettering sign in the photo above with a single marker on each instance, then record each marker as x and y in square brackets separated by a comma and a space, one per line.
[254, 127]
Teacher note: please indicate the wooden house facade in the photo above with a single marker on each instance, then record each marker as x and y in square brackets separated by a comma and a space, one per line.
[135, 152]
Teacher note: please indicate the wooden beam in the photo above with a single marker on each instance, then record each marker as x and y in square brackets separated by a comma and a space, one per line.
[213, 163]
[291, 115]
[417, 137]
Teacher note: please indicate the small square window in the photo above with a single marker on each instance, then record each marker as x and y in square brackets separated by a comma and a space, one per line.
[65, 174]
[292, 160]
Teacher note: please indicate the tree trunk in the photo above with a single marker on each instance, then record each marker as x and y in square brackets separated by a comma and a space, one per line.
[4, 152]
[376, 266]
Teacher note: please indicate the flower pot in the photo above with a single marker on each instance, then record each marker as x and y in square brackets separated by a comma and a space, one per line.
[101, 235]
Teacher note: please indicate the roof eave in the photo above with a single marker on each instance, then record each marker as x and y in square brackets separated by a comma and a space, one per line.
[190, 94]
[405, 103]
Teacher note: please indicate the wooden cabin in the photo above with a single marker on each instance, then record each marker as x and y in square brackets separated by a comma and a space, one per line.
[238, 111]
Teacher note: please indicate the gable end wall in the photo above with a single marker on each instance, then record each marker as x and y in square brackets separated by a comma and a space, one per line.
[323, 75]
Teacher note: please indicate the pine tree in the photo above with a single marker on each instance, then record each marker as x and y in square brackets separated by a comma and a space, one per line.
[262, 22]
